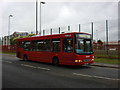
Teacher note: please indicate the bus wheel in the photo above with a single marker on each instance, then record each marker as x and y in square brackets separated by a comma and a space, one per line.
[25, 58]
[55, 61]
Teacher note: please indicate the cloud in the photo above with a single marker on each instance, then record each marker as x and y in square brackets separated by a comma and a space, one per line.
[55, 14]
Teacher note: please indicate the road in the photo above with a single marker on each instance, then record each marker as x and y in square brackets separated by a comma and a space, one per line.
[28, 74]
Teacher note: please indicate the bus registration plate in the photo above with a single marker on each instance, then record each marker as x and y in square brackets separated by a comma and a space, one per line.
[87, 60]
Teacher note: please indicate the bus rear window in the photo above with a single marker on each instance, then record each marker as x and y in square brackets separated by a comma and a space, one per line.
[27, 46]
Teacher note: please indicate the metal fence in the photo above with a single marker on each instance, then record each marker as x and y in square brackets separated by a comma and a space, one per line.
[9, 48]
[104, 30]
[99, 51]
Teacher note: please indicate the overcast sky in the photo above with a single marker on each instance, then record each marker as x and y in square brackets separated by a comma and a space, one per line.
[61, 13]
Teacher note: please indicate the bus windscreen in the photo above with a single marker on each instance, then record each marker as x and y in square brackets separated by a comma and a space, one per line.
[83, 46]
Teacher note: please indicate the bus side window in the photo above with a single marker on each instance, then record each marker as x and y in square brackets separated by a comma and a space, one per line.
[27, 46]
[55, 45]
[34, 45]
[47, 44]
[41, 45]
[20, 44]
[68, 45]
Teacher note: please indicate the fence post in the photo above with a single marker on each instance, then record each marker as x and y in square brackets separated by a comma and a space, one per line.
[51, 31]
[92, 29]
[43, 32]
[79, 27]
[68, 28]
[59, 30]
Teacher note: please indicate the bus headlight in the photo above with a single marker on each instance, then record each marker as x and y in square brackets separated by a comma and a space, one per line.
[92, 60]
[78, 60]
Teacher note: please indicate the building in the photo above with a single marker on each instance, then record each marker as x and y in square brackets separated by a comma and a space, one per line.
[6, 39]
[112, 45]
[104, 45]
[18, 34]
[0, 41]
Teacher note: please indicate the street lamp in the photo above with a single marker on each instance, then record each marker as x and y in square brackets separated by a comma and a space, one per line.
[36, 17]
[9, 29]
[40, 15]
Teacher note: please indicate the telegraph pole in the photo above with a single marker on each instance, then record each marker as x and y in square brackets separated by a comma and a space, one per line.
[107, 36]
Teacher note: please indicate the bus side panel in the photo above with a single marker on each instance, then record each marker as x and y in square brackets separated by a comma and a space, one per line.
[44, 57]
[67, 58]
[20, 53]
[40, 56]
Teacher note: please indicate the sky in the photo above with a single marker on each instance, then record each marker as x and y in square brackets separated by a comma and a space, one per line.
[61, 13]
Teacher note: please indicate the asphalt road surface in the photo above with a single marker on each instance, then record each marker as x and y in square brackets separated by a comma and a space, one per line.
[28, 74]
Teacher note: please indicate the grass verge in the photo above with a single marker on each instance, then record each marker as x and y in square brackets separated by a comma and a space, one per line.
[107, 60]
[106, 56]
[8, 53]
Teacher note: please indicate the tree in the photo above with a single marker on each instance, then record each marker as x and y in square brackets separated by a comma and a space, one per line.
[100, 44]
[13, 39]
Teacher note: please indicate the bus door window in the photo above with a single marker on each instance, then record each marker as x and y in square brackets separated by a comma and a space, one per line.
[55, 45]
[27, 45]
[68, 45]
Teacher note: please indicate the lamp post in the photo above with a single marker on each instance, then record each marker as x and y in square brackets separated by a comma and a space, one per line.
[9, 29]
[36, 17]
[40, 15]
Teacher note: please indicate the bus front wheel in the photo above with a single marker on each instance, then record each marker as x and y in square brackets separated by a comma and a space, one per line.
[55, 61]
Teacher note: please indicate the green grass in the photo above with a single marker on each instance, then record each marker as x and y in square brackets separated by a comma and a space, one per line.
[106, 60]
[102, 53]
[8, 53]
[106, 56]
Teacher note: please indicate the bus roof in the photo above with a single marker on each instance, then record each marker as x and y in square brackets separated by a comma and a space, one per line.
[51, 36]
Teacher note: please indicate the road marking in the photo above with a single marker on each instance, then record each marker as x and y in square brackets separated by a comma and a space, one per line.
[95, 76]
[7, 61]
[28, 66]
[43, 68]
[35, 67]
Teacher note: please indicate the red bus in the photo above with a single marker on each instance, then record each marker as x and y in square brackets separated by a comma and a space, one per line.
[68, 48]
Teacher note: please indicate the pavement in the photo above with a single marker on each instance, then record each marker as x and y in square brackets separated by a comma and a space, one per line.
[106, 65]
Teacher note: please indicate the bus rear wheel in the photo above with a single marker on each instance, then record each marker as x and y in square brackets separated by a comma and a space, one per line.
[25, 58]
[55, 61]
